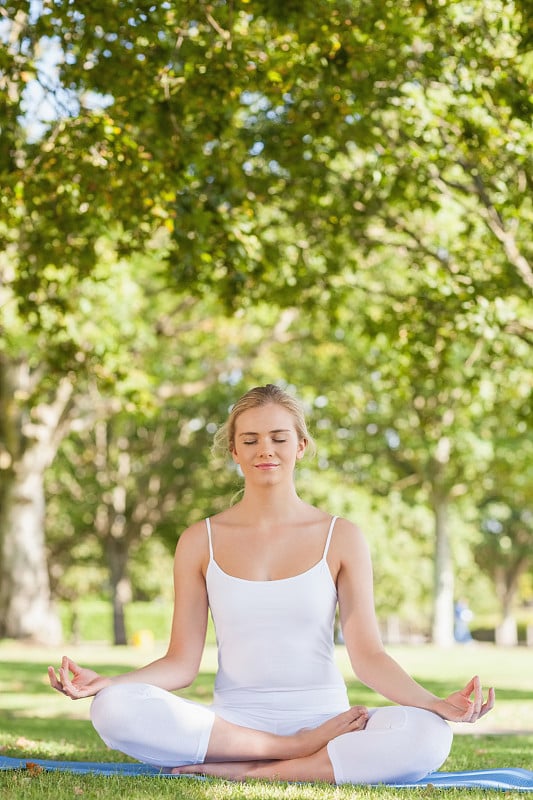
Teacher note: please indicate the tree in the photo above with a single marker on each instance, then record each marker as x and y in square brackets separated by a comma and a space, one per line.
[263, 145]
[30, 442]
[41, 371]
[443, 220]
[505, 553]
[84, 171]
[218, 123]
[136, 463]
[415, 383]
[506, 526]
[187, 89]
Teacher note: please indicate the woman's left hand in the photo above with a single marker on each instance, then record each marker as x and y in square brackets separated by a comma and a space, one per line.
[462, 707]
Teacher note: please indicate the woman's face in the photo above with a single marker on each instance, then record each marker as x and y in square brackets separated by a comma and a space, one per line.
[266, 444]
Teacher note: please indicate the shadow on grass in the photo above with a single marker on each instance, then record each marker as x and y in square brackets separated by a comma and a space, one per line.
[68, 739]
[76, 740]
[32, 677]
[360, 694]
[26, 734]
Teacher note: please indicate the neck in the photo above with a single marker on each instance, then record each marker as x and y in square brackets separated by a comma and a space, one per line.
[273, 502]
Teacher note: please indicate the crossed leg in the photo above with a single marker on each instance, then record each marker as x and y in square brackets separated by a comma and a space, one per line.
[398, 745]
[386, 745]
[314, 767]
[300, 757]
[156, 727]
[235, 743]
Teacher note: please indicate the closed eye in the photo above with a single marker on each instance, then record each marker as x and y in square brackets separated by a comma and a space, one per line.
[254, 441]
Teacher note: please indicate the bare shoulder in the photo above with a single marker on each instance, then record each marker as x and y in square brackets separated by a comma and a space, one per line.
[348, 540]
[348, 530]
[228, 517]
[193, 544]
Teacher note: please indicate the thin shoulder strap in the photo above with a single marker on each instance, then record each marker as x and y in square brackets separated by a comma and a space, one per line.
[328, 540]
[208, 526]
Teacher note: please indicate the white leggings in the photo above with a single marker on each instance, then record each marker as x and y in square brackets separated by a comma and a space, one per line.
[398, 744]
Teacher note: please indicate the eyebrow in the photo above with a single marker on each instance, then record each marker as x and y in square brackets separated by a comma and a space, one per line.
[276, 430]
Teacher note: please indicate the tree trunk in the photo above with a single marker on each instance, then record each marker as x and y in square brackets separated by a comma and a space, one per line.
[25, 604]
[506, 633]
[117, 555]
[442, 628]
[28, 442]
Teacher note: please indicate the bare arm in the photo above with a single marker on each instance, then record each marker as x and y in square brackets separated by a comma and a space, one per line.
[372, 665]
[179, 666]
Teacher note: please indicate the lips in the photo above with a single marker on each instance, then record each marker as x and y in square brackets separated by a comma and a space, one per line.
[266, 466]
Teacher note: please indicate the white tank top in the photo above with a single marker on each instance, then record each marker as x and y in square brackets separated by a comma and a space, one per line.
[275, 646]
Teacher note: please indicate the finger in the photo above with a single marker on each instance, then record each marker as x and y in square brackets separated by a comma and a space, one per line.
[73, 691]
[460, 703]
[68, 686]
[54, 682]
[478, 697]
[469, 712]
[68, 664]
[470, 687]
[486, 707]
[358, 724]
[479, 710]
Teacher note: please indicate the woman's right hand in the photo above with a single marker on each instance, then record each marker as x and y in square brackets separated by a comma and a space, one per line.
[84, 682]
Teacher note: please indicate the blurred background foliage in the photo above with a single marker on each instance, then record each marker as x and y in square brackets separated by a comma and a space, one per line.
[201, 197]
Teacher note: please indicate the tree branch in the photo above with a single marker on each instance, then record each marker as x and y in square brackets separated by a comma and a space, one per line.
[490, 216]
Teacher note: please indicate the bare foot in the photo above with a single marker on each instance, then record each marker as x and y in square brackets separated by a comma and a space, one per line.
[316, 767]
[309, 740]
[230, 770]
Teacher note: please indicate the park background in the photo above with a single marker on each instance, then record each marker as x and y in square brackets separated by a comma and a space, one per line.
[201, 197]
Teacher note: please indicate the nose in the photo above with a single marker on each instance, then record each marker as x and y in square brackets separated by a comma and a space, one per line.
[265, 447]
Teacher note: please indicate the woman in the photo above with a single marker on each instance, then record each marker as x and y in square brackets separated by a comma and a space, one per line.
[272, 568]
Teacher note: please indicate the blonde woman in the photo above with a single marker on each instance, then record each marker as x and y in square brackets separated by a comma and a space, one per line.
[272, 570]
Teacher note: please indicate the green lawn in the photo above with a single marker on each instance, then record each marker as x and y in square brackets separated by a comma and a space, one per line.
[36, 722]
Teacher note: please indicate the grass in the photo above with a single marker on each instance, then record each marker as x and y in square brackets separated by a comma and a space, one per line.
[38, 723]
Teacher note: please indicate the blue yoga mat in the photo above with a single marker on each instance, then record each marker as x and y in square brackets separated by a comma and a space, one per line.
[504, 779]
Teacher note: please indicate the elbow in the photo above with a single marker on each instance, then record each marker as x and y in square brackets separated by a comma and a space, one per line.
[181, 671]
[366, 667]
[186, 679]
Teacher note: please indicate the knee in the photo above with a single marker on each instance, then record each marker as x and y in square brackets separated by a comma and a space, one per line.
[433, 738]
[424, 739]
[114, 709]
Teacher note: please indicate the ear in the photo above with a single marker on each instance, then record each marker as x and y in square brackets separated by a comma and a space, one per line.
[234, 455]
[302, 446]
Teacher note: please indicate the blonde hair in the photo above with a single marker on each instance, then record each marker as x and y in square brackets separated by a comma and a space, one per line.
[262, 396]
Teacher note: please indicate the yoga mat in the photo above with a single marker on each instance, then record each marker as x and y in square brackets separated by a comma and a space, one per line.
[520, 780]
